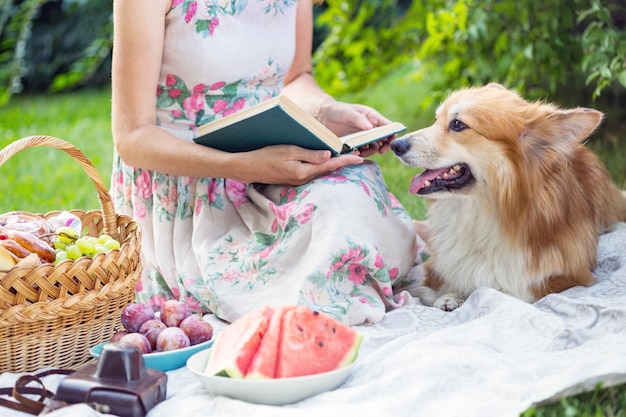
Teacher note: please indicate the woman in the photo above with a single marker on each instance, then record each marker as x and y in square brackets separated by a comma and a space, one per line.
[228, 232]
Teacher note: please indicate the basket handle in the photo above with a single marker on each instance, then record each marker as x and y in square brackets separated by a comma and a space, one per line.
[108, 212]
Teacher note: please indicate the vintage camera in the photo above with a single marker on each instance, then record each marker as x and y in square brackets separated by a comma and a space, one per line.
[119, 383]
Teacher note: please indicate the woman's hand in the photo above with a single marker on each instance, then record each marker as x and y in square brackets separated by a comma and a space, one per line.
[344, 118]
[287, 164]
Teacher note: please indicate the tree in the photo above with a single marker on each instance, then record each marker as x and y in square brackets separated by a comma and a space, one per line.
[53, 44]
[532, 46]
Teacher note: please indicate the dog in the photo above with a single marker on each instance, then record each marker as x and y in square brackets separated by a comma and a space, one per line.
[516, 201]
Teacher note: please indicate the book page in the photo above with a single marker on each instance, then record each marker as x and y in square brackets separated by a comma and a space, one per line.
[357, 139]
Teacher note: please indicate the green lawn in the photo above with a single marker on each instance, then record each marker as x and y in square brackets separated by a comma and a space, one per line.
[45, 179]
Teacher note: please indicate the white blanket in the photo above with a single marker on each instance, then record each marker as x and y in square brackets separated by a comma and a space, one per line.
[494, 356]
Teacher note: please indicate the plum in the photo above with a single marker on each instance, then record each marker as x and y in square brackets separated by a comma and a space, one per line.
[172, 338]
[197, 329]
[173, 312]
[138, 340]
[118, 335]
[151, 329]
[134, 315]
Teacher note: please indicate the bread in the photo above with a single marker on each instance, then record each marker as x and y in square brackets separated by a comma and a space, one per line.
[7, 260]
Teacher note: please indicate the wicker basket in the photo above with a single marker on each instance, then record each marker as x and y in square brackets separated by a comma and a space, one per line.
[50, 315]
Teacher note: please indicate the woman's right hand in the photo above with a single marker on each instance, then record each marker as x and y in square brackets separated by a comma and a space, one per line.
[288, 164]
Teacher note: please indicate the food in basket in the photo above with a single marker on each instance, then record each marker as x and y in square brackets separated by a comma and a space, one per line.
[282, 342]
[7, 260]
[183, 329]
[23, 233]
[11, 246]
[29, 243]
[35, 224]
[69, 244]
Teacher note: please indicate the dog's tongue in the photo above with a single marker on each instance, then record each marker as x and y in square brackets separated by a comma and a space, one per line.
[428, 175]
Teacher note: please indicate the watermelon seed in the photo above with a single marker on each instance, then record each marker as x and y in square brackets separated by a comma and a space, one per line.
[315, 313]
[321, 344]
[334, 330]
[300, 329]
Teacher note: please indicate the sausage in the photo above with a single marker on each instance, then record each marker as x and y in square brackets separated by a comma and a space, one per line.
[33, 244]
[15, 248]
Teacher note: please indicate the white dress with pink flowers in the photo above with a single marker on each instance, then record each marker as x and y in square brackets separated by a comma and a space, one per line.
[341, 244]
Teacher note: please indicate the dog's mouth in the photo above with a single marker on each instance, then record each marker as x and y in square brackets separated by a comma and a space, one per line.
[443, 179]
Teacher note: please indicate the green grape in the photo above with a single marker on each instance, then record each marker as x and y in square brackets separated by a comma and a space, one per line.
[100, 248]
[104, 238]
[112, 244]
[74, 252]
[85, 245]
[61, 256]
[66, 234]
[59, 245]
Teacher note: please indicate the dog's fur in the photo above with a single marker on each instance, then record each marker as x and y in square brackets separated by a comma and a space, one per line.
[523, 208]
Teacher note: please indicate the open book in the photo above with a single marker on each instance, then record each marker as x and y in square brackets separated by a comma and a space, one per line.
[280, 121]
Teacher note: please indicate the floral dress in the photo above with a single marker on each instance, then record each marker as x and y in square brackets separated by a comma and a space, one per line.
[341, 244]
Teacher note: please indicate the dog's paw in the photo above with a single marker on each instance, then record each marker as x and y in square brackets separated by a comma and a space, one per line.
[448, 302]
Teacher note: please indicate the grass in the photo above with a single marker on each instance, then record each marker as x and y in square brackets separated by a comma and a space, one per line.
[45, 179]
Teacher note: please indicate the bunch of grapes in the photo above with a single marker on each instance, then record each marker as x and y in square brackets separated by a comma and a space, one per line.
[70, 245]
[175, 328]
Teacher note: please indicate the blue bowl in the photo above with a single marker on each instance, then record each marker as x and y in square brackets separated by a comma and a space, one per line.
[164, 361]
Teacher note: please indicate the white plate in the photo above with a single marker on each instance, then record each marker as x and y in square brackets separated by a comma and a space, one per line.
[277, 391]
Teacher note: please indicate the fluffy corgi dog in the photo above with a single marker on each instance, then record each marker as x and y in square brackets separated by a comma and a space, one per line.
[517, 202]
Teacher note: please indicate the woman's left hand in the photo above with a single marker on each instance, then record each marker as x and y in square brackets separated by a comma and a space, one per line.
[344, 118]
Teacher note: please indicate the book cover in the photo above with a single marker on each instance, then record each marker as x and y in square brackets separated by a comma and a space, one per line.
[279, 121]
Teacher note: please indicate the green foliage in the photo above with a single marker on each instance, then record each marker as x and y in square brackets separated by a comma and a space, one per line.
[15, 30]
[53, 45]
[605, 46]
[531, 46]
[534, 47]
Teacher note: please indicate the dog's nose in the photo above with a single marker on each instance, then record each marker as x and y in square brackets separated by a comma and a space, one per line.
[400, 146]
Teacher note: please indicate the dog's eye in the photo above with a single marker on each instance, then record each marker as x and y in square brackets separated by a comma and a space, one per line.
[457, 125]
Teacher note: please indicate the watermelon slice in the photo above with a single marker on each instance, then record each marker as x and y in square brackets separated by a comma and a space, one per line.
[235, 347]
[313, 343]
[283, 342]
[263, 363]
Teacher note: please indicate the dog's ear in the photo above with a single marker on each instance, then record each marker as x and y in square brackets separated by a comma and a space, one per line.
[571, 125]
[496, 85]
[577, 124]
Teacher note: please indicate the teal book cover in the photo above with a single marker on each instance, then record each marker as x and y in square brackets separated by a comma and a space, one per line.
[279, 121]
[271, 127]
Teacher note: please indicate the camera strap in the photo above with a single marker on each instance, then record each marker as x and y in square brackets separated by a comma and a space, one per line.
[21, 392]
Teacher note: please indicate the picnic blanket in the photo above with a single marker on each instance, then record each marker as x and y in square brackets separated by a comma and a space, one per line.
[494, 356]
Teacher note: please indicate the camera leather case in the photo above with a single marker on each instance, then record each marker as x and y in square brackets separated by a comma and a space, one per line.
[119, 383]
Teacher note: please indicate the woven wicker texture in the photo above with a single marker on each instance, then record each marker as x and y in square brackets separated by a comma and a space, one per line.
[50, 315]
